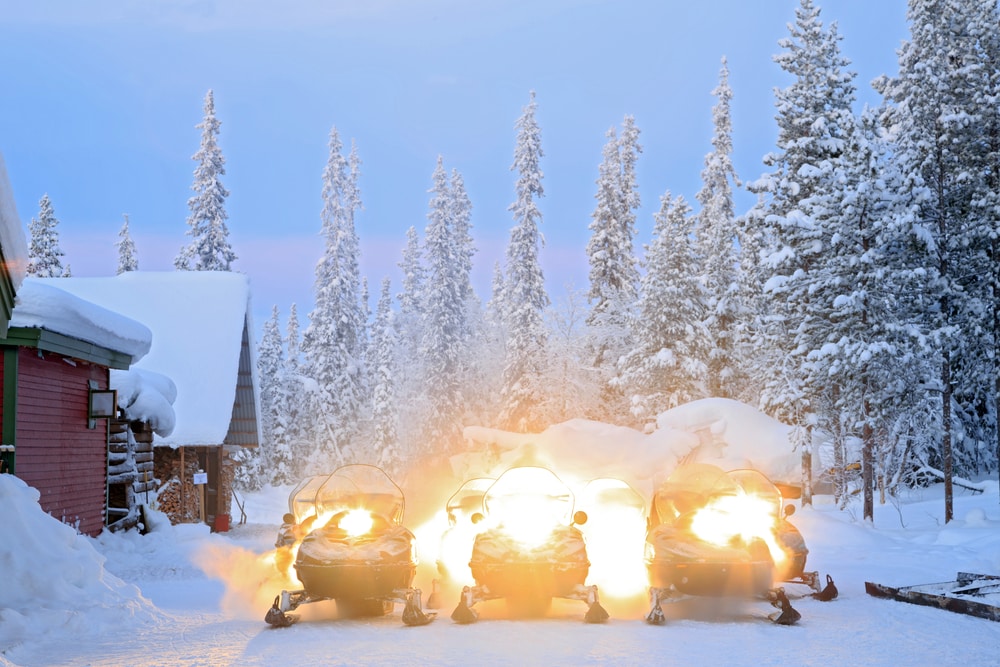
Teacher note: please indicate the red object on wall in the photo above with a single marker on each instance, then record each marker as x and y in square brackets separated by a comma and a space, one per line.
[56, 452]
[221, 523]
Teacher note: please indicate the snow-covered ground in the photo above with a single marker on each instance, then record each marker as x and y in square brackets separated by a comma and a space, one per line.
[183, 596]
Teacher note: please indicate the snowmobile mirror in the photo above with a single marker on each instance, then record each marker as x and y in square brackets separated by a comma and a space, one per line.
[789, 510]
[580, 517]
[288, 518]
[476, 518]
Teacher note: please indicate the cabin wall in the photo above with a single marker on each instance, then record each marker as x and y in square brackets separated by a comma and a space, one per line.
[56, 452]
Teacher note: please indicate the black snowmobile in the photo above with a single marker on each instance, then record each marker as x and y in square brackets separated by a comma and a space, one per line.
[725, 534]
[355, 549]
[531, 550]
[464, 511]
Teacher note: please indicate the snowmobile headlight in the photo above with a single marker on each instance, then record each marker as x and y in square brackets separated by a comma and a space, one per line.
[739, 517]
[357, 522]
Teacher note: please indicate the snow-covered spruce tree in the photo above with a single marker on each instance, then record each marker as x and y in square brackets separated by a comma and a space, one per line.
[868, 288]
[814, 117]
[571, 386]
[444, 323]
[460, 212]
[209, 249]
[523, 295]
[666, 366]
[990, 206]
[937, 114]
[614, 278]
[384, 370]
[127, 260]
[292, 448]
[478, 393]
[409, 322]
[333, 341]
[43, 248]
[715, 231]
[411, 297]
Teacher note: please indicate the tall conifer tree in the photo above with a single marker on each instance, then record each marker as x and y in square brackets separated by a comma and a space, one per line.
[523, 293]
[209, 249]
[127, 260]
[43, 249]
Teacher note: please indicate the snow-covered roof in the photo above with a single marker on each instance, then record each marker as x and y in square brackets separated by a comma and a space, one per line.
[40, 304]
[197, 319]
[13, 246]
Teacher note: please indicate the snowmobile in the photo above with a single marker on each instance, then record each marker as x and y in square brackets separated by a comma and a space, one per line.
[355, 549]
[298, 521]
[530, 549]
[464, 512]
[725, 534]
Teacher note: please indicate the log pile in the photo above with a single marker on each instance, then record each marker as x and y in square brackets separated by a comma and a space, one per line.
[130, 472]
[181, 505]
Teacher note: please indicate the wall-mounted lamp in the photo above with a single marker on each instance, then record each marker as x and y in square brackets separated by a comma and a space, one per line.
[102, 404]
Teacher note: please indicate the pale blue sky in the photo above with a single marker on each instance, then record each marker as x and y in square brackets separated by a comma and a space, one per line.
[101, 99]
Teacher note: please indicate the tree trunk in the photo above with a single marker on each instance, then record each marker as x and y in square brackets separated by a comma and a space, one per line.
[867, 468]
[946, 439]
[807, 474]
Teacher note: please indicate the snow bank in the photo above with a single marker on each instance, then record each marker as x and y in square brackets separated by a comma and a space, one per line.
[55, 583]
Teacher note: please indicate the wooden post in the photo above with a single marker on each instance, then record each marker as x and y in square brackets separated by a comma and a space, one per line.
[183, 509]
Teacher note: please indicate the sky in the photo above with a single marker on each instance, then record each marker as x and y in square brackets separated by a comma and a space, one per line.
[101, 100]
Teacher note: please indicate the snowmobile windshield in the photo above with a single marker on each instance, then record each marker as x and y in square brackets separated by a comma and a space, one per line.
[363, 487]
[755, 483]
[467, 500]
[688, 488]
[720, 508]
[528, 495]
[609, 492]
[302, 499]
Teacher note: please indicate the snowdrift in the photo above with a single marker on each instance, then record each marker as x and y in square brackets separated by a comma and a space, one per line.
[55, 583]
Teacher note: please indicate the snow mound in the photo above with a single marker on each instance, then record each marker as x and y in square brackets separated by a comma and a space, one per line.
[576, 450]
[55, 583]
[736, 435]
[721, 431]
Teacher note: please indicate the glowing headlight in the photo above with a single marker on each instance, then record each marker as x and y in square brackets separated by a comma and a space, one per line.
[357, 522]
[527, 521]
[745, 516]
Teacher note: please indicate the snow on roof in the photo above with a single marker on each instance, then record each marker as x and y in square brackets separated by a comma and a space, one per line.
[197, 319]
[15, 248]
[147, 396]
[40, 304]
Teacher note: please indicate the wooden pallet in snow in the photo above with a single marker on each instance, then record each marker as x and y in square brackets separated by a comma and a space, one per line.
[973, 594]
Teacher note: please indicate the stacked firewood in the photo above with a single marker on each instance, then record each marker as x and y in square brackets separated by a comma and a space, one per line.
[182, 504]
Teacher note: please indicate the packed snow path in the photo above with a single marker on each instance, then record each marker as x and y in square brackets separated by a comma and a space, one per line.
[193, 580]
